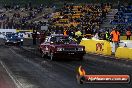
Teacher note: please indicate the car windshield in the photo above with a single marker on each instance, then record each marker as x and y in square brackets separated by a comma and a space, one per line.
[8, 35]
[12, 36]
[62, 40]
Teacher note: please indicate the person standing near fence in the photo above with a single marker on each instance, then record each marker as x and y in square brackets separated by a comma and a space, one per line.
[78, 35]
[128, 34]
[115, 35]
[34, 36]
[107, 35]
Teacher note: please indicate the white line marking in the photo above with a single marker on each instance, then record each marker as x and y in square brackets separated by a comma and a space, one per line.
[16, 82]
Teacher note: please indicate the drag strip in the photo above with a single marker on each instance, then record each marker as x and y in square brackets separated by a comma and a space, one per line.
[32, 75]
[92, 61]
[36, 72]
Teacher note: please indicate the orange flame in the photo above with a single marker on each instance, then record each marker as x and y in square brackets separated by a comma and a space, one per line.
[81, 71]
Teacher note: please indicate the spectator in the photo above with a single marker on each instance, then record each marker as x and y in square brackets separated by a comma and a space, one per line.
[78, 35]
[96, 36]
[107, 35]
[34, 36]
[128, 34]
[115, 38]
[65, 32]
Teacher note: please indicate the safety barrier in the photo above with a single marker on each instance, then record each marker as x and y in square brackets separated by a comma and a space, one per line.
[3, 32]
[30, 30]
[26, 33]
[124, 52]
[124, 37]
[97, 46]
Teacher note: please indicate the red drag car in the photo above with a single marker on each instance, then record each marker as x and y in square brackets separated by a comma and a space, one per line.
[60, 46]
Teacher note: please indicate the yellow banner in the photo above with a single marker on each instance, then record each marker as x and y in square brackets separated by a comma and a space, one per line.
[97, 46]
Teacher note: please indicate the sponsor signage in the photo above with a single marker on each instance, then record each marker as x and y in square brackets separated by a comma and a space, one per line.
[3, 32]
[107, 78]
[83, 78]
[99, 46]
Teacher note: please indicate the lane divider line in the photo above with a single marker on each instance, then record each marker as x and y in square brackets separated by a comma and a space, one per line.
[14, 79]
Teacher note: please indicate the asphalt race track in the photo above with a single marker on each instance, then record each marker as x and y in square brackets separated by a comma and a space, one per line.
[29, 70]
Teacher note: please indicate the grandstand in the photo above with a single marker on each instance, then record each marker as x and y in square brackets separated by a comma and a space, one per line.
[59, 2]
[123, 18]
[31, 15]
[23, 17]
[86, 16]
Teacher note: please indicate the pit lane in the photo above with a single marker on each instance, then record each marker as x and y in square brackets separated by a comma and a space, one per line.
[32, 71]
